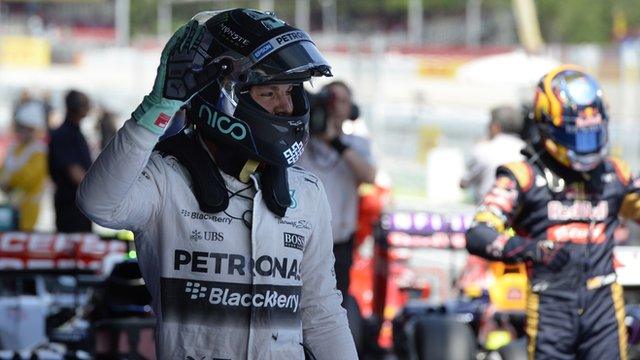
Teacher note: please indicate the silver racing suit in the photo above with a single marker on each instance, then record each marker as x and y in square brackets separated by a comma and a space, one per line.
[220, 289]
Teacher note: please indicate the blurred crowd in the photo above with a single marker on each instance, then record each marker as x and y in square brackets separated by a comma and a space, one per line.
[41, 150]
[47, 147]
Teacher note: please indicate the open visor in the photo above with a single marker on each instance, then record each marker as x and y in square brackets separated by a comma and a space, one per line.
[294, 62]
[582, 140]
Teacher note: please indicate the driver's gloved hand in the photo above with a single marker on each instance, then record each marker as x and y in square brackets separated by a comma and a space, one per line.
[181, 74]
[553, 255]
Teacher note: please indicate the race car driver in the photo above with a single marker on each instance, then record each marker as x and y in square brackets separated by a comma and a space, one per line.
[563, 202]
[234, 242]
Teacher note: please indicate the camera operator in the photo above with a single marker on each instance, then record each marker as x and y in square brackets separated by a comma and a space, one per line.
[342, 162]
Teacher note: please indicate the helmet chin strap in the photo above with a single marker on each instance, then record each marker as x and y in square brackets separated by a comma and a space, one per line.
[273, 179]
[551, 168]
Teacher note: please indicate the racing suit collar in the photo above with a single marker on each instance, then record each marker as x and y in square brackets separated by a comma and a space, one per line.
[539, 156]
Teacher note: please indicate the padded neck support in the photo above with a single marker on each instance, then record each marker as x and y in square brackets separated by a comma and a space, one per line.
[209, 186]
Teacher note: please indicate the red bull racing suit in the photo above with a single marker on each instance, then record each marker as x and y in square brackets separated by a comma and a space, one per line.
[576, 312]
[239, 284]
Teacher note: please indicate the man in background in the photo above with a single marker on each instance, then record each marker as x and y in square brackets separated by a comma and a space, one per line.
[342, 162]
[69, 160]
[503, 146]
[106, 126]
[564, 203]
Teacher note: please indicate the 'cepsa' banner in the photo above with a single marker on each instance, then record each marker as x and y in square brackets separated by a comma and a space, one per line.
[21, 250]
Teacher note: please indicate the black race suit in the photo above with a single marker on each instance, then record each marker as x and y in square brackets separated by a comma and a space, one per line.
[577, 312]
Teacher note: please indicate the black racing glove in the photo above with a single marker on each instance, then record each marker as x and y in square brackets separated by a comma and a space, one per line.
[186, 70]
[182, 72]
[552, 255]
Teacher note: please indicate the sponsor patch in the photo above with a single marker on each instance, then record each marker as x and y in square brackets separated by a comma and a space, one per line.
[197, 235]
[577, 233]
[235, 264]
[204, 216]
[227, 126]
[293, 153]
[194, 290]
[277, 42]
[291, 36]
[296, 224]
[577, 210]
[162, 120]
[262, 51]
[588, 117]
[233, 36]
[294, 241]
[219, 304]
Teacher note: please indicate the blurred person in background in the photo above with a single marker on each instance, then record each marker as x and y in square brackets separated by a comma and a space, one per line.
[24, 172]
[564, 203]
[24, 97]
[69, 160]
[48, 108]
[224, 223]
[106, 126]
[342, 162]
[502, 146]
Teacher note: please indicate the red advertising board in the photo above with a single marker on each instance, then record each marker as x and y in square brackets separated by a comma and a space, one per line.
[22, 250]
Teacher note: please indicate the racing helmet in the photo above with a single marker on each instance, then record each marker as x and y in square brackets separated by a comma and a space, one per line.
[571, 116]
[250, 48]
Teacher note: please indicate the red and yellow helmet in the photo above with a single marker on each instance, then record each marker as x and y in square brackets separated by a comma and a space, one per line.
[571, 115]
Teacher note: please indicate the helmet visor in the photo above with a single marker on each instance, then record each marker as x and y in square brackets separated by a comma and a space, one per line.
[296, 62]
[582, 135]
[575, 89]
